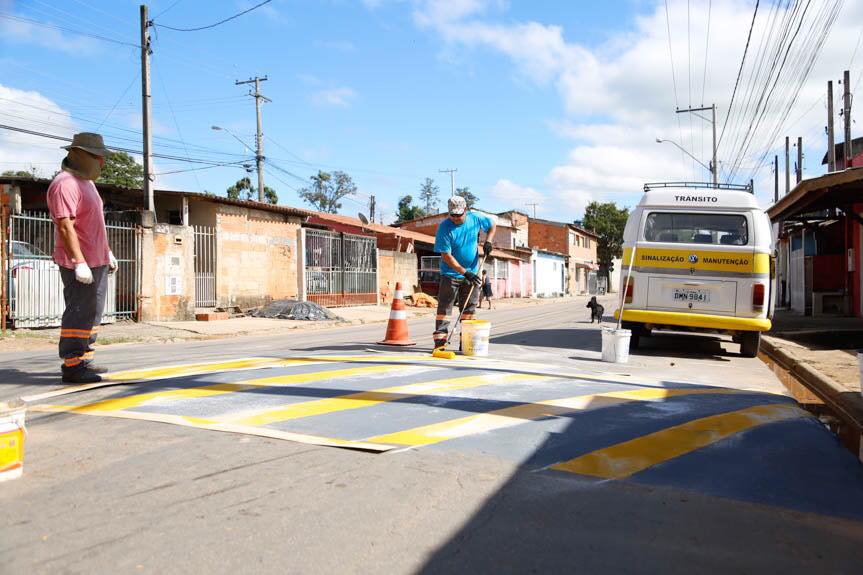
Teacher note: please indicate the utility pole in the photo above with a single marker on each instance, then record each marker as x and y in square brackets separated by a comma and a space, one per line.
[831, 139]
[146, 108]
[714, 168]
[451, 172]
[787, 166]
[846, 105]
[799, 159]
[775, 178]
[534, 208]
[372, 209]
[259, 153]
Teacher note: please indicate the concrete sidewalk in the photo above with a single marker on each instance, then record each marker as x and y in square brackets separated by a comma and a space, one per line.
[174, 331]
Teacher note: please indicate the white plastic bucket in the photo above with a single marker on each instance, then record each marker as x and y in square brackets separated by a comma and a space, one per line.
[11, 439]
[860, 365]
[615, 345]
[474, 337]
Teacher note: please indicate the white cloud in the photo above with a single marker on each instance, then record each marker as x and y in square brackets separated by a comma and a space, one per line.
[338, 97]
[511, 196]
[32, 111]
[618, 97]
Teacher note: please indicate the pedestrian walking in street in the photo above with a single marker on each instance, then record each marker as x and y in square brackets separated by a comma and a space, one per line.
[82, 253]
[457, 242]
[487, 292]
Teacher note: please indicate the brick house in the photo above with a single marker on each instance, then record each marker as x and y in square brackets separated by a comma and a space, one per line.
[570, 240]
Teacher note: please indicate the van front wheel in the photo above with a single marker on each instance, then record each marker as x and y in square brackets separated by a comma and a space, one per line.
[750, 341]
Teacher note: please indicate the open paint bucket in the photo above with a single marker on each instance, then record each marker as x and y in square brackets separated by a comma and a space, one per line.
[615, 345]
[11, 439]
[474, 337]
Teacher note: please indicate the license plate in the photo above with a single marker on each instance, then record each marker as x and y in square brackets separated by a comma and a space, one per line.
[691, 295]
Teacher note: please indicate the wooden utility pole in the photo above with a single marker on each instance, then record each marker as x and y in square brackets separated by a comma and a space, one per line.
[146, 108]
[846, 116]
[776, 178]
[799, 158]
[831, 140]
[787, 166]
[451, 172]
[259, 152]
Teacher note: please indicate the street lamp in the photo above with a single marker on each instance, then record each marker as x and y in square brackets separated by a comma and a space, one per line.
[219, 128]
[685, 151]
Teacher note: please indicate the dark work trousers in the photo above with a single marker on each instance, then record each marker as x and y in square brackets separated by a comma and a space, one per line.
[81, 318]
[452, 289]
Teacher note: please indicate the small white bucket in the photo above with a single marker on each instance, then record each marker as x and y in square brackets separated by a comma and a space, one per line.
[12, 415]
[615, 345]
[860, 364]
[474, 337]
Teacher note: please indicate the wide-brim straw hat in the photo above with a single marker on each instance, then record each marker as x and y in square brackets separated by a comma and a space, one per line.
[89, 142]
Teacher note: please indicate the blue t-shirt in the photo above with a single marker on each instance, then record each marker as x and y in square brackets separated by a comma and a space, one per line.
[461, 242]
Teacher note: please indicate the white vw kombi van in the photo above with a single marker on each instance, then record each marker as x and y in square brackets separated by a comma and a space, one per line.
[702, 260]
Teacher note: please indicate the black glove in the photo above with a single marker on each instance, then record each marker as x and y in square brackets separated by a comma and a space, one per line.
[486, 248]
[472, 278]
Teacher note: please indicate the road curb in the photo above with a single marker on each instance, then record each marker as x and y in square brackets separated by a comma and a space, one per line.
[847, 404]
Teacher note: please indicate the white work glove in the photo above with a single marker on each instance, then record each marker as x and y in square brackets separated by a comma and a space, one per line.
[83, 273]
[112, 262]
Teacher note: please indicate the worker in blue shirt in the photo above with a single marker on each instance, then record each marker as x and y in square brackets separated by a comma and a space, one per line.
[457, 242]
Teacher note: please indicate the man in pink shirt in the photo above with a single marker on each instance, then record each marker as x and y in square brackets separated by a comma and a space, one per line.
[81, 250]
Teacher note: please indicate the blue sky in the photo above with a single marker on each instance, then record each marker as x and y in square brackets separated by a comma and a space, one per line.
[533, 101]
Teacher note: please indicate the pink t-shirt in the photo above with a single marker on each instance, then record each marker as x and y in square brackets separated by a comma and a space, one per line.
[72, 197]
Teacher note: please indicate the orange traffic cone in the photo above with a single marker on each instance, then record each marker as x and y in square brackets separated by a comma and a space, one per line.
[397, 328]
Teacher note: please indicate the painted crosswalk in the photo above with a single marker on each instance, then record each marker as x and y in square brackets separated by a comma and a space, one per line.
[386, 402]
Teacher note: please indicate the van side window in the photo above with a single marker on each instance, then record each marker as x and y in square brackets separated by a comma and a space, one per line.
[680, 228]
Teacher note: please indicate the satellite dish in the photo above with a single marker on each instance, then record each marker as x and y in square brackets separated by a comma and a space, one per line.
[363, 218]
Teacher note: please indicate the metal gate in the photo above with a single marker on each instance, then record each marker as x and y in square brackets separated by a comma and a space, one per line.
[340, 269]
[34, 286]
[205, 266]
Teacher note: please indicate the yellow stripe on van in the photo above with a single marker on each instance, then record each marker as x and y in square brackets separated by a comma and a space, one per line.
[705, 260]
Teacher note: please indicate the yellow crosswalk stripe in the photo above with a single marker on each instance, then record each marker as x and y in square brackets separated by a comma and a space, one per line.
[629, 457]
[131, 401]
[255, 363]
[372, 397]
[518, 414]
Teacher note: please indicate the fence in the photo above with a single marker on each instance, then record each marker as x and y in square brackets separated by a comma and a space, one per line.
[34, 286]
[340, 269]
[205, 266]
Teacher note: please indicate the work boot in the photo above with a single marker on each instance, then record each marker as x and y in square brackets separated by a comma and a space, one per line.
[96, 368]
[85, 375]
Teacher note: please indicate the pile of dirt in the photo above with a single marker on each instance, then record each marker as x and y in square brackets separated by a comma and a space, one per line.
[421, 299]
[294, 309]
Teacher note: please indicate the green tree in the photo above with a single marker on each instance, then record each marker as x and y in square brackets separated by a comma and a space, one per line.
[21, 174]
[121, 169]
[327, 189]
[429, 196]
[407, 211]
[468, 196]
[244, 190]
[606, 221]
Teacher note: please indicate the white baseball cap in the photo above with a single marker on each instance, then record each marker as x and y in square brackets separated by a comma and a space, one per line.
[456, 205]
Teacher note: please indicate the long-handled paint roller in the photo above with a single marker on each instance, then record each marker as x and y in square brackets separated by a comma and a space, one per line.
[441, 352]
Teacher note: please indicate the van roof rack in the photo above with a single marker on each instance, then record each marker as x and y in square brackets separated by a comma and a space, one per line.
[702, 185]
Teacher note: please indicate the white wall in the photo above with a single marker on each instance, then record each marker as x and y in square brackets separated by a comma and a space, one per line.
[549, 273]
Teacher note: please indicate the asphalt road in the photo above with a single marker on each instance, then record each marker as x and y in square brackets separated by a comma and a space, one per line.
[689, 459]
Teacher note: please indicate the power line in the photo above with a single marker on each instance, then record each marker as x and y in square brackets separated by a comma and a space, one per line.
[220, 22]
[119, 149]
[740, 70]
[123, 95]
[169, 8]
[674, 78]
[65, 29]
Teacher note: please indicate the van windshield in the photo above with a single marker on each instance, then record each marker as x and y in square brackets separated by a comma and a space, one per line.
[678, 228]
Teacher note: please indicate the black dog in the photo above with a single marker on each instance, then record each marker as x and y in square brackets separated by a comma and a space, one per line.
[596, 310]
